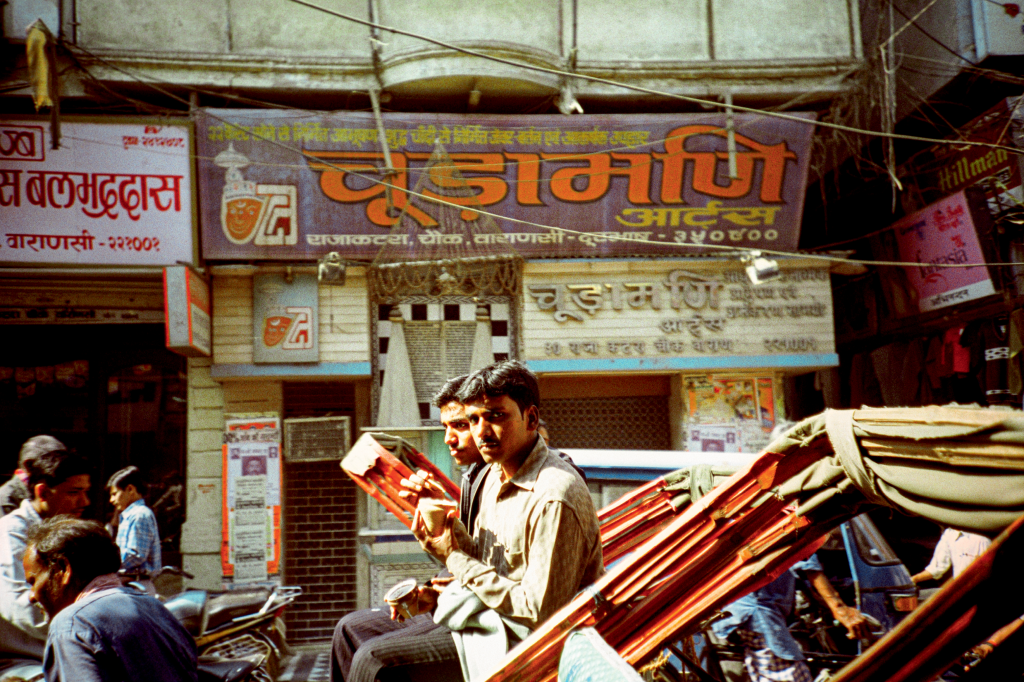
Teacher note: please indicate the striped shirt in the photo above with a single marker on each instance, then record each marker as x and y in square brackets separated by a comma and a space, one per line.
[535, 542]
[138, 538]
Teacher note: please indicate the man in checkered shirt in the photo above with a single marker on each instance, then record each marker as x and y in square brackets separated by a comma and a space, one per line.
[137, 533]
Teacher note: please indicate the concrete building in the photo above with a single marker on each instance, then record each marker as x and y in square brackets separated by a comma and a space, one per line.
[604, 154]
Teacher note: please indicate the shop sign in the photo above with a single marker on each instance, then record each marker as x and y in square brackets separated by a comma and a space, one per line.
[945, 169]
[111, 194]
[692, 312]
[942, 234]
[78, 315]
[251, 532]
[186, 311]
[286, 314]
[285, 185]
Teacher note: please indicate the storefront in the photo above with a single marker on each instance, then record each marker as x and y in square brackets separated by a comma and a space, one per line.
[324, 280]
[87, 229]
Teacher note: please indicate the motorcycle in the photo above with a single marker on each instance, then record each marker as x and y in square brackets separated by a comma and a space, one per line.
[239, 634]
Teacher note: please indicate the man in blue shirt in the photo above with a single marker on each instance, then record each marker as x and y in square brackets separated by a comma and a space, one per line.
[100, 631]
[758, 622]
[137, 533]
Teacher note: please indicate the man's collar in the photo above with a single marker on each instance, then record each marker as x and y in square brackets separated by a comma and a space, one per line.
[526, 476]
[136, 503]
[29, 511]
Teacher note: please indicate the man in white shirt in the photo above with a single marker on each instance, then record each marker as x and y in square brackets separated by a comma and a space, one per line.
[58, 481]
[956, 549]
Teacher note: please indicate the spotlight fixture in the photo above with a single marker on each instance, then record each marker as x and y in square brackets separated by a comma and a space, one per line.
[761, 269]
[331, 269]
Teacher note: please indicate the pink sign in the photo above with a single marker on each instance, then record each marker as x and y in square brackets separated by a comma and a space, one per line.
[943, 233]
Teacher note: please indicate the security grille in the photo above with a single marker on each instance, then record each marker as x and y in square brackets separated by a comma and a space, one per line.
[628, 423]
[317, 439]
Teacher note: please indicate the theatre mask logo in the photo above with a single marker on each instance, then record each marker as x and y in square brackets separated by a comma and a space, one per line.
[274, 330]
[285, 314]
[250, 212]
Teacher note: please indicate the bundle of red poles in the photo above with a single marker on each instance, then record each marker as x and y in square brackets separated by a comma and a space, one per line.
[379, 472]
[677, 566]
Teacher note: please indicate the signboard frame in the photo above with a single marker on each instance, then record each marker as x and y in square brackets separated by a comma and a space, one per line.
[286, 185]
[72, 195]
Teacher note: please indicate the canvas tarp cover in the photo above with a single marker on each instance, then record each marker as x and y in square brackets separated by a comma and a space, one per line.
[958, 466]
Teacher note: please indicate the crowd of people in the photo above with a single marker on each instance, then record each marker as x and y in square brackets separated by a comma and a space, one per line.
[62, 599]
[522, 542]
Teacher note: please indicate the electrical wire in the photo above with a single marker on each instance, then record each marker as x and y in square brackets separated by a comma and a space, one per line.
[649, 91]
[734, 250]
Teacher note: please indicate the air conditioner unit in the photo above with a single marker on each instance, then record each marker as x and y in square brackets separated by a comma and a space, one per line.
[317, 439]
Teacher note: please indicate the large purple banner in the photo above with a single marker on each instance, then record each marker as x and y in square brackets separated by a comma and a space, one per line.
[286, 185]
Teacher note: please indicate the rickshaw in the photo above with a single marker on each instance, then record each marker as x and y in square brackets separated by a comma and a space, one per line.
[675, 561]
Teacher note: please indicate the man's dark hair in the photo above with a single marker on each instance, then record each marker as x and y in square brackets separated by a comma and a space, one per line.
[38, 445]
[53, 467]
[449, 392]
[85, 546]
[125, 477]
[509, 377]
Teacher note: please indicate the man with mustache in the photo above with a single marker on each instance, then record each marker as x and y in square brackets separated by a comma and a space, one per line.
[58, 481]
[536, 540]
[100, 630]
[367, 641]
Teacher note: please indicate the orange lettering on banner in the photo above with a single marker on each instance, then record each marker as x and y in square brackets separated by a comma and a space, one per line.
[705, 166]
[527, 178]
[492, 190]
[598, 173]
[334, 185]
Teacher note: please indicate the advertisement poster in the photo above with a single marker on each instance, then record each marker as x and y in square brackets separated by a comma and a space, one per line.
[251, 542]
[111, 194]
[943, 233]
[729, 414]
[287, 185]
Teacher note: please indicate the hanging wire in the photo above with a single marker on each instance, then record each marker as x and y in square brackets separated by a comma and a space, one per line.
[714, 247]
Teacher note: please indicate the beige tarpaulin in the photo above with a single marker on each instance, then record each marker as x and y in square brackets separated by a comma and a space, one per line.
[958, 466]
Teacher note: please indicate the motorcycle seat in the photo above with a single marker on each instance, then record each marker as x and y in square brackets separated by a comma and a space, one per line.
[223, 607]
[188, 607]
[213, 670]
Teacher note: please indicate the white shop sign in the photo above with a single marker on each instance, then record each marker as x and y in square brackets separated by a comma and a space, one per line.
[111, 194]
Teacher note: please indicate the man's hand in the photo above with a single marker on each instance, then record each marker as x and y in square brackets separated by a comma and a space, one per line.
[426, 601]
[854, 622]
[440, 546]
[420, 484]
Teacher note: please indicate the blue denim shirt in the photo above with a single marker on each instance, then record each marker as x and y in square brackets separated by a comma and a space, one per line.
[116, 635]
[764, 611]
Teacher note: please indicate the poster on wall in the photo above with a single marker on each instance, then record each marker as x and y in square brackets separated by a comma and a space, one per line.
[295, 185]
[729, 414]
[251, 539]
[109, 194]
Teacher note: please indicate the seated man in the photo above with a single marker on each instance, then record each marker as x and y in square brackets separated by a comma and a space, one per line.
[758, 622]
[137, 533]
[100, 630]
[58, 481]
[376, 624]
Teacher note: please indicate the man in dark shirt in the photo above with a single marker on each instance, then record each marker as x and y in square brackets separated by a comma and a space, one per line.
[100, 630]
[370, 631]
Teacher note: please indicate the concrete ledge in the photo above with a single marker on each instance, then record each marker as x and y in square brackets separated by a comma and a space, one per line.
[285, 371]
[806, 362]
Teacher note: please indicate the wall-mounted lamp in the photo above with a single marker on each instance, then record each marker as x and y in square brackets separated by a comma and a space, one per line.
[331, 269]
[761, 269]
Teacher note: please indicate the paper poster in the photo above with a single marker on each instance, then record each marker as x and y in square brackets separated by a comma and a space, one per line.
[251, 540]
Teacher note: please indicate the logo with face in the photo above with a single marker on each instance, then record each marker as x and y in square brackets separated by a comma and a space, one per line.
[240, 212]
[249, 212]
[275, 329]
